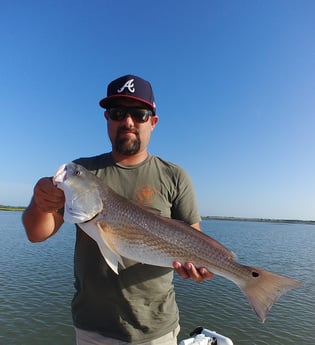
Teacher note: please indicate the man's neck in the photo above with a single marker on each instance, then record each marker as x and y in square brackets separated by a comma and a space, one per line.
[130, 160]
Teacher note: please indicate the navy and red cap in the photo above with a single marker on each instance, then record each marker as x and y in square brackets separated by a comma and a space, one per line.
[129, 86]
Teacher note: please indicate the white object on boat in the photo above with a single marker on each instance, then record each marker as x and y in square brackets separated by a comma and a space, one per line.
[203, 336]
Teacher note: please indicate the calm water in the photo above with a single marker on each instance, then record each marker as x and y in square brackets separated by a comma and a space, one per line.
[36, 286]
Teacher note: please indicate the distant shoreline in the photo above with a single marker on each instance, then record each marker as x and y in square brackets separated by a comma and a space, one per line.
[291, 221]
[242, 219]
[12, 208]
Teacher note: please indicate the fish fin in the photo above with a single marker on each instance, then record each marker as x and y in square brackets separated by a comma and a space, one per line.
[204, 237]
[96, 233]
[221, 248]
[265, 288]
[110, 254]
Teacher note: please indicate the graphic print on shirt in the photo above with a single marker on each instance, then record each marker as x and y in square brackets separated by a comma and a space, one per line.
[145, 194]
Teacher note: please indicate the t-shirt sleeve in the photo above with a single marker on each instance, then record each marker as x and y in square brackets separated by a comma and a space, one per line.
[185, 204]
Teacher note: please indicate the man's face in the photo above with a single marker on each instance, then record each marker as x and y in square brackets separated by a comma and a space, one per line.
[128, 136]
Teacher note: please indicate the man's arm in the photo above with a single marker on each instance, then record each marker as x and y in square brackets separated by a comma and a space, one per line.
[41, 219]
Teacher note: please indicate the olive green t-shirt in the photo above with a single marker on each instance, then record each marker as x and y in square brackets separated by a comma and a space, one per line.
[138, 305]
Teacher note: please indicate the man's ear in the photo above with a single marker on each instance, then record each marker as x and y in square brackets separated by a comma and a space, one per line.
[154, 121]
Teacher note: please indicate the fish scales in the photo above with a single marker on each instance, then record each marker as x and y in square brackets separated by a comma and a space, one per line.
[147, 233]
[125, 216]
[123, 229]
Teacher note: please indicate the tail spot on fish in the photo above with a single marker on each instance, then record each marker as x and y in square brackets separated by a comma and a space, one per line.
[255, 274]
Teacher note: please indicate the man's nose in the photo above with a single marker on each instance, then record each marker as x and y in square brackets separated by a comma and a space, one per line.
[128, 119]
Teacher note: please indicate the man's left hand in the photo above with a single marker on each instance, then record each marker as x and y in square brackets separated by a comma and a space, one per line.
[189, 271]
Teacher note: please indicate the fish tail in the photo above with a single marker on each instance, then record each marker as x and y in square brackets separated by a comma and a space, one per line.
[265, 288]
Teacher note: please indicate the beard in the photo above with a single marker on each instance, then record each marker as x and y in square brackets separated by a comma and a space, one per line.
[127, 146]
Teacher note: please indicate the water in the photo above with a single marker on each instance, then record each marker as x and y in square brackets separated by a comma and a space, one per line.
[36, 285]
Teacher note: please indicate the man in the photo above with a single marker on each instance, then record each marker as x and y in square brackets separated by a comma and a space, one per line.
[138, 305]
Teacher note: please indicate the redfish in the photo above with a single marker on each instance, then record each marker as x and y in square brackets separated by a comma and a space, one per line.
[124, 229]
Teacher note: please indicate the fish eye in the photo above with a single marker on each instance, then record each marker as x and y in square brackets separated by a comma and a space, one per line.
[77, 173]
[255, 274]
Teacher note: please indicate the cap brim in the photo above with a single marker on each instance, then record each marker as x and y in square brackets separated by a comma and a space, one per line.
[107, 101]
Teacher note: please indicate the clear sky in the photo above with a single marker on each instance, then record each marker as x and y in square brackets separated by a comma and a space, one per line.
[234, 83]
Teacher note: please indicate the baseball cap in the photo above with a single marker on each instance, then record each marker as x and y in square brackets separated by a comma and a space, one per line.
[132, 87]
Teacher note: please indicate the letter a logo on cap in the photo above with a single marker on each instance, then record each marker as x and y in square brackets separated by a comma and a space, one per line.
[129, 85]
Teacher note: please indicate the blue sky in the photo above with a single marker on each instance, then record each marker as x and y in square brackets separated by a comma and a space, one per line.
[234, 83]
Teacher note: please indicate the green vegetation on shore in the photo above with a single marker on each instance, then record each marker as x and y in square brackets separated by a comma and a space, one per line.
[293, 221]
[12, 208]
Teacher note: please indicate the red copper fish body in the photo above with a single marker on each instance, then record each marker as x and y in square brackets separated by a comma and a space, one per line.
[123, 229]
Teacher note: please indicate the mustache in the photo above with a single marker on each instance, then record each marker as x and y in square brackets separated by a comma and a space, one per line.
[129, 129]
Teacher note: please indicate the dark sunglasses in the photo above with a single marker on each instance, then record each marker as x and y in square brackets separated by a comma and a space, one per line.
[139, 115]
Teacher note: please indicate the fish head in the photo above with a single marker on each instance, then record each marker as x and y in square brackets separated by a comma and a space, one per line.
[83, 200]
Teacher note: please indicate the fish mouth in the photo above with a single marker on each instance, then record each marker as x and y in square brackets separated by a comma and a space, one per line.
[60, 175]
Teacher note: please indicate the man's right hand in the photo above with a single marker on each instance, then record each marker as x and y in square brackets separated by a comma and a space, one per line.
[47, 196]
[41, 218]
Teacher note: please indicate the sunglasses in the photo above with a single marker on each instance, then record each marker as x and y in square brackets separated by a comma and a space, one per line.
[139, 115]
